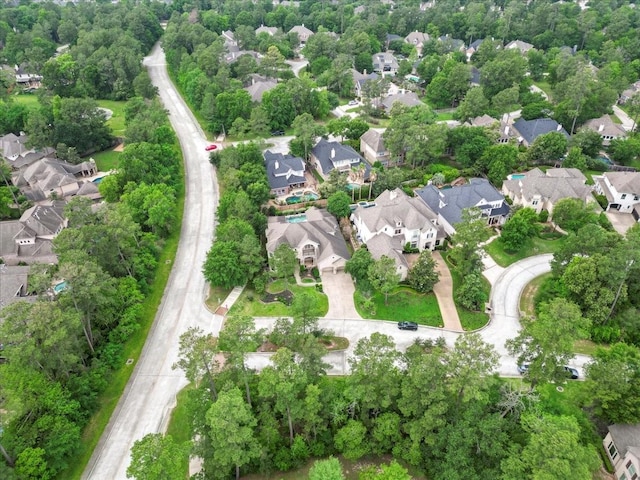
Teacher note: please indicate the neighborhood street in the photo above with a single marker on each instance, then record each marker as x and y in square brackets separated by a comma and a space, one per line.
[150, 394]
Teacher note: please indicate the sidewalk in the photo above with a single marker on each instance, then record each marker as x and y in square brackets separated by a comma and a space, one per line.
[444, 293]
[492, 270]
[229, 301]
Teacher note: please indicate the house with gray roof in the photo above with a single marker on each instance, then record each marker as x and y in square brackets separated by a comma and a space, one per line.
[259, 86]
[372, 147]
[529, 130]
[448, 203]
[522, 47]
[385, 63]
[473, 48]
[303, 33]
[451, 44]
[622, 190]
[268, 30]
[48, 176]
[417, 39]
[360, 79]
[409, 99]
[315, 237]
[284, 172]
[622, 445]
[14, 149]
[606, 128]
[394, 220]
[29, 240]
[542, 190]
[14, 285]
[327, 156]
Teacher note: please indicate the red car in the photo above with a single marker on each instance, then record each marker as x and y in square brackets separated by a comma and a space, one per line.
[210, 148]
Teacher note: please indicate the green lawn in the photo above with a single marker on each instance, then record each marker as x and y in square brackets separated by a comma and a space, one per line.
[118, 379]
[404, 304]
[442, 116]
[107, 160]
[545, 86]
[250, 304]
[180, 423]
[116, 122]
[28, 99]
[536, 246]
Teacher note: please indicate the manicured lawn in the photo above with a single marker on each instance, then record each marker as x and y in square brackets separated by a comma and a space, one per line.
[118, 379]
[250, 304]
[542, 85]
[527, 305]
[116, 122]
[28, 99]
[217, 295]
[442, 116]
[180, 424]
[536, 246]
[107, 160]
[404, 304]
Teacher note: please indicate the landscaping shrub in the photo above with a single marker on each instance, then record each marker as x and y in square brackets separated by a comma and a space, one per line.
[605, 333]
[409, 249]
[543, 216]
[316, 273]
[602, 201]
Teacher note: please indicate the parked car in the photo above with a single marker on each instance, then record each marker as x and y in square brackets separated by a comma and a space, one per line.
[277, 133]
[210, 148]
[407, 325]
[353, 102]
[571, 372]
[523, 368]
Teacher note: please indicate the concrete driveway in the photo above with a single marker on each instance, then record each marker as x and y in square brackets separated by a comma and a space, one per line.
[621, 221]
[339, 288]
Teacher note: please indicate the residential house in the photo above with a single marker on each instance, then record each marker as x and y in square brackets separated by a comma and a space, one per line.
[529, 130]
[284, 172]
[607, 128]
[27, 80]
[268, 30]
[229, 38]
[315, 237]
[542, 190]
[326, 156]
[14, 285]
[14, 149]
[622, 445]
[483, 121]
[523, 47]
[449, 203]
[622, 190]
[29, 240]
[48, 176]
[385, 63]
[424, 6]
[473, 48]
[410, 99]
[259, 86]
[303, 33]
[360, 79]
[359, 10]
[394, 220]
[452, 44]
[372, 147]
[417, 39]
[235, 53]
[626, 95]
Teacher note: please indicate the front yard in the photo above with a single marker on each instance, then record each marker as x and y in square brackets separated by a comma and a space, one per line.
[536, 246]
[404, 304]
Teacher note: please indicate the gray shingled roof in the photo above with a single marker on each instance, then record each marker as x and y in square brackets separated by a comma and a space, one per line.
[558, 183]
[321, 227]
[626, 437]
[326, 152]
[13, 284]
[388, 246]
[374, 139]
[257, 89]
[410, 99]
[529, 130]
[450, 202]
[279, 165]
[44, 219]
[624, 182]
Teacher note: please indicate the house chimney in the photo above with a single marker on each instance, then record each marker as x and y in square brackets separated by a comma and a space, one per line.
[277, 165]
[333, 153]
[558, 128]
[506, 130]
[601, 127]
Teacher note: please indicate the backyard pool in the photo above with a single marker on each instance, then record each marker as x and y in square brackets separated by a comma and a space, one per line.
[604, 159]
[299, 218]
[306, 197]
[517, 176]
[58, 287]
[97, 180]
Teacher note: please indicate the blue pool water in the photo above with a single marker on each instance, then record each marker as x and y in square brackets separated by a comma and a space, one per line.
[58, 287]
[517, 176]
[97, 180]
[301, 217]
[605, 159]
[307, 197]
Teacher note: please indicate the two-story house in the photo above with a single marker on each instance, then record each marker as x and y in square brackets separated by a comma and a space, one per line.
[284, 172]
[303, 33]
[448, 203]
[327, 156]
[622, 190]
[606, 128]
[543, 190]
[385, 63]
[394, 220]
[372, 147]
[529, 130]
[622, 445]
[314, 236]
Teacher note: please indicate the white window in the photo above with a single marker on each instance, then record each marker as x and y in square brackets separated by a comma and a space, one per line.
[613, 453]
[631, 468]
[398, 231]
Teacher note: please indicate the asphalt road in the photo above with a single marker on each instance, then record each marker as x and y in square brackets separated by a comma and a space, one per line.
[150, 394]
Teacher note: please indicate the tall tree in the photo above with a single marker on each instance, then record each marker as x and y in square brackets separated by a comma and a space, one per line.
[383, 276]
[231, 430]
[197, 358]
[424, 274]
[157, 457]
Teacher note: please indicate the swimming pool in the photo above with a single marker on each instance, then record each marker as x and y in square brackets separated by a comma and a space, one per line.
[97, 180]
[517, 176]
[299, 218]
[58, 287]
[605, 159]
[307, 197]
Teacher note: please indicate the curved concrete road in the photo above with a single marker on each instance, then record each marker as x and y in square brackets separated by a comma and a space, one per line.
[150, 394]
[505, 324]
